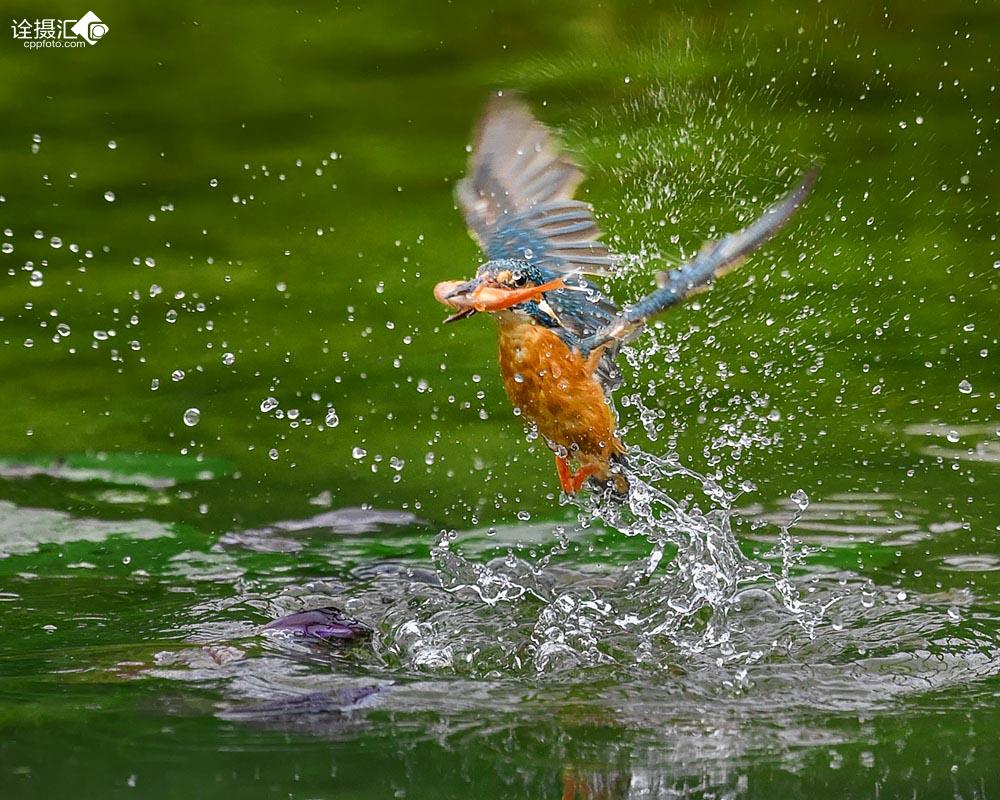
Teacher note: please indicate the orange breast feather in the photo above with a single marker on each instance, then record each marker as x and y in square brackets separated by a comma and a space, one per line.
[555, 388]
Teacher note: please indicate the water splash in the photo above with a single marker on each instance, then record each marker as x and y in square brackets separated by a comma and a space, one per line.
[688, 596]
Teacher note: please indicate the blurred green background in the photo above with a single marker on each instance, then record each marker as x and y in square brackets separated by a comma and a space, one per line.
[273, 182]
[289, 171]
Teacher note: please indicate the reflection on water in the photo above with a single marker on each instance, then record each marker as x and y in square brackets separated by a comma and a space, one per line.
[24, 530]
[975, 443]
[280, 537]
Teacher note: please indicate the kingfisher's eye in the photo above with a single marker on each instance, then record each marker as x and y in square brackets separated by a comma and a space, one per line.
[518, 279]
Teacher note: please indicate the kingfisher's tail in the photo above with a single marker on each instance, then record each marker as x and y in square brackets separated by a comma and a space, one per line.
[714, 260]
[612, 475]
[617, 479]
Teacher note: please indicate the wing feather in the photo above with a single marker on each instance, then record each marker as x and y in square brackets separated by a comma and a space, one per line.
[518, 196]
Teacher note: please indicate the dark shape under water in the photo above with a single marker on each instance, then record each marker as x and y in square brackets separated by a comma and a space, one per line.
[335, 714]
[326, 623]
[332, 702]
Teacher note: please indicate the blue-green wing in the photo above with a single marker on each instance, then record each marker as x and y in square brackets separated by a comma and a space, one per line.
[581, 310]
[518, 196]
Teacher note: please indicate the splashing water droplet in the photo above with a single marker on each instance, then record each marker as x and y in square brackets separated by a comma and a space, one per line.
[965, 387]
[332, 420]
[800, 499]
[268, 404]
[192, 417]
[109, 196]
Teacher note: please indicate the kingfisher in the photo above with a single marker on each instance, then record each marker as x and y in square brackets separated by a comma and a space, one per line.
[560, 334]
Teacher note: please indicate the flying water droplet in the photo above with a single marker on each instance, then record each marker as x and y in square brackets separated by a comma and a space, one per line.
[191, 417]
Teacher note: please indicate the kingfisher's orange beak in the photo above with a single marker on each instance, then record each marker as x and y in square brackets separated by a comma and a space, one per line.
[468, 297]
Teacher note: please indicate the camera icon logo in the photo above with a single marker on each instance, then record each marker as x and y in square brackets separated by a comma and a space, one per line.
[90, 27]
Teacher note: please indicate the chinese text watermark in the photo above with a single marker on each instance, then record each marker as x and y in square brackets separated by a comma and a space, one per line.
[38, 33]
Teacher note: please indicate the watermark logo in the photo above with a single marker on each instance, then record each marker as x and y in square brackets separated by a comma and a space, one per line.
[90, 27]
[38, 33]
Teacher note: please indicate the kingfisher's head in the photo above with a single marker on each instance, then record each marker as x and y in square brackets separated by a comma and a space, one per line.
[498, 285]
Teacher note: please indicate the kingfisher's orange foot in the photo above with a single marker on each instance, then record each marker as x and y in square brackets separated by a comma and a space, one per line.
[571, 481]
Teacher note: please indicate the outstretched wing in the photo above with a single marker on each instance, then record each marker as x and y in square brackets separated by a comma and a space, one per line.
[518, 196]
[715, 260]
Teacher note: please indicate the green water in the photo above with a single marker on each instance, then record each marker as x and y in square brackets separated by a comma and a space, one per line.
[274, 183]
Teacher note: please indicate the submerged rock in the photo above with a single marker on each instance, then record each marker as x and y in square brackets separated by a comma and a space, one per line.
[326, 623]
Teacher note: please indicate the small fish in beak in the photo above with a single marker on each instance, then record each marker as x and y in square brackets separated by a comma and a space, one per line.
[451, 293]
[468, 297]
